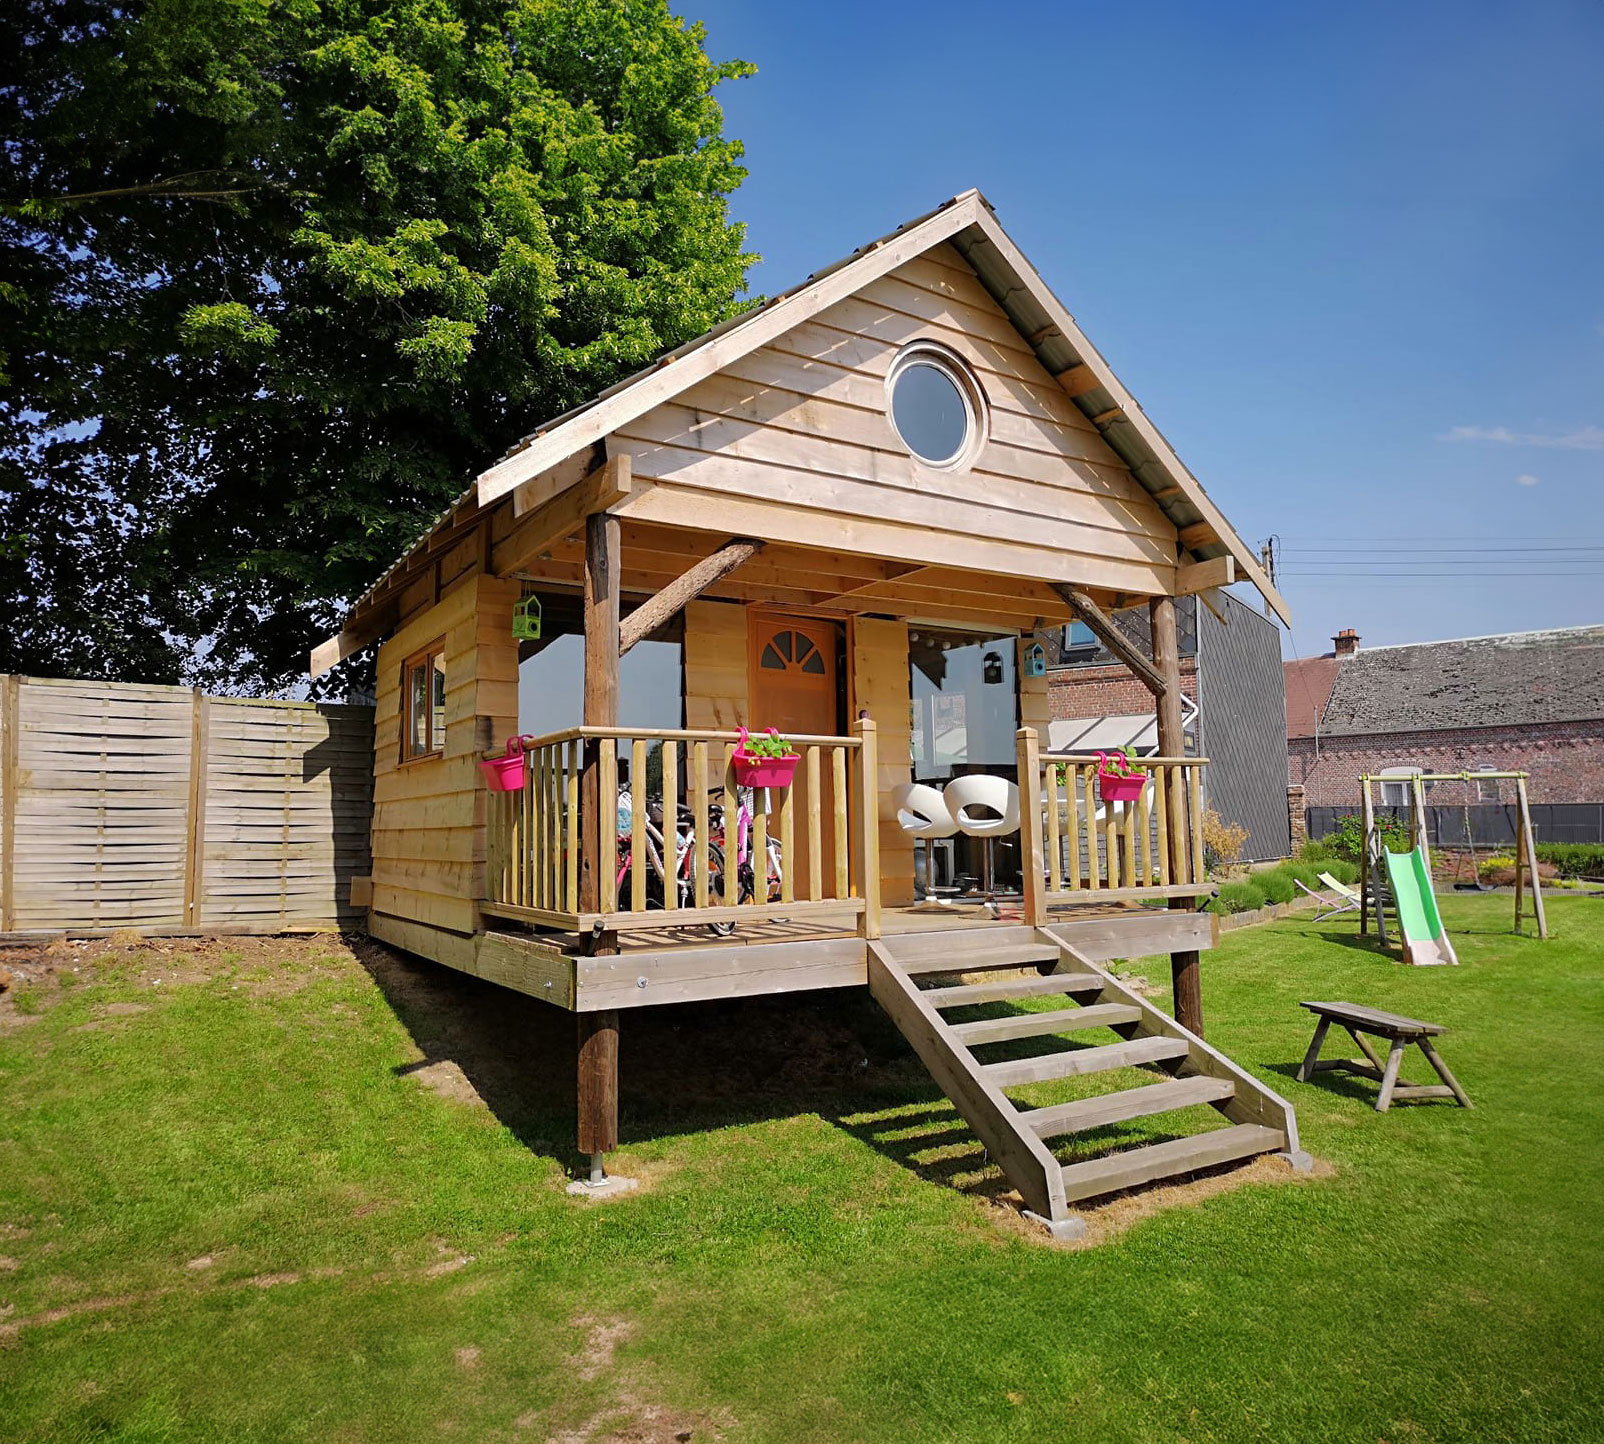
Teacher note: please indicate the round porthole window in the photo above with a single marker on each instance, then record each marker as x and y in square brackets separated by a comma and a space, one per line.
[935, 406]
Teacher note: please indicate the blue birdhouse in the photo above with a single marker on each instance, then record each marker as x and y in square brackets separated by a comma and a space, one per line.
[1035, 660]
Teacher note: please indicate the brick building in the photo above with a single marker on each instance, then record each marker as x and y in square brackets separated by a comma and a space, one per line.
[1233, 710]
[1524, 701]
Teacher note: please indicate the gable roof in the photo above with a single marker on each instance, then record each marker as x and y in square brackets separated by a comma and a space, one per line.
[1308, 686]
[969, 224]
[1517, 679]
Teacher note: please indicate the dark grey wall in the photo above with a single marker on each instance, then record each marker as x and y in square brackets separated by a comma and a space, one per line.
[1241, 693]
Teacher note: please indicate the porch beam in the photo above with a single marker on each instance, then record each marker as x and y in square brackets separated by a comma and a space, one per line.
[550, 522]
[1103, 628]
[1204, 576]
[651, 614]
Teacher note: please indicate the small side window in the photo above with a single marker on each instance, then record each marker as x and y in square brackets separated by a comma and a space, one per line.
[423, 696]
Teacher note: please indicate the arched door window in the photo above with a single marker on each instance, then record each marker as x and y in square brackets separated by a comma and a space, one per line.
[791, 651]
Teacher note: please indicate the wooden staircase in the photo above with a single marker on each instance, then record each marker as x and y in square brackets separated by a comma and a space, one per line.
[1257, 1120]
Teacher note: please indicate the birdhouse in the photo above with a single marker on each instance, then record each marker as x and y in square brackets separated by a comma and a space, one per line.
[526, 617]
[1035, 660]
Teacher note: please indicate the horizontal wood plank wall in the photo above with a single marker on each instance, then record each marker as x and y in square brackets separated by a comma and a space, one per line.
[287, 803]
[715, 666]
[794, 442]
[881, 686]
[428, 815]
[151, 807]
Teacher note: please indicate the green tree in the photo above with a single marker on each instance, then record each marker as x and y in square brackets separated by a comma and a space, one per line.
[278, 276]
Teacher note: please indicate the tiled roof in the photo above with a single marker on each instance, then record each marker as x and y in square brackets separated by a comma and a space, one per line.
[1308, 681]
[1511, 680]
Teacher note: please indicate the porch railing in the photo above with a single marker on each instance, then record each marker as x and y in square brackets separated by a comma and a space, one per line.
[653, 873]
[1075, 849]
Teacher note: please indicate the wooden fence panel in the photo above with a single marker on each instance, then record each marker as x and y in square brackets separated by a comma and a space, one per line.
[156, 808]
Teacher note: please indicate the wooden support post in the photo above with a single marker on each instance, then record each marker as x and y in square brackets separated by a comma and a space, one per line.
[652, 613]
[1527, 843]
[1032, 864]
[598, 1032]
[1103, 628]
[869, 826]
[598, 1085]
[1367, 883]
[195, 820]
[1185, 971]
[10, 771]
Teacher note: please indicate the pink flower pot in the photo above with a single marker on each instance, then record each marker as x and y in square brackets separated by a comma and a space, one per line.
[763, 771]
[505, 773]
[1115, 786]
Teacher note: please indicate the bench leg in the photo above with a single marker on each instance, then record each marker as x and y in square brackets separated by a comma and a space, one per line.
[1389, 1078]
[1367, 1050]
[1443, 1073]
[1306, 1068]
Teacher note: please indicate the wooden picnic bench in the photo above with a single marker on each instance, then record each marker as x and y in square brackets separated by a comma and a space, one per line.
[1358, 1020]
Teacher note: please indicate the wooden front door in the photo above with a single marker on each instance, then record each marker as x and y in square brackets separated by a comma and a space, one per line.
[795, 688]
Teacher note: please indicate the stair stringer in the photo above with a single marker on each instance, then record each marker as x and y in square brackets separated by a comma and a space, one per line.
[1251, 1102]
[1024, 1159]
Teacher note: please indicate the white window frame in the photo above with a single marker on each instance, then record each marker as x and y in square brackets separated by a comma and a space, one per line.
[1399, 778]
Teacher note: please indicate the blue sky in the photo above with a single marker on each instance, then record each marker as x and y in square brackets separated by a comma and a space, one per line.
[1349, 258]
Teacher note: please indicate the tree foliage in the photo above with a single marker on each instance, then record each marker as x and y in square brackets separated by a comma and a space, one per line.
[277, 276]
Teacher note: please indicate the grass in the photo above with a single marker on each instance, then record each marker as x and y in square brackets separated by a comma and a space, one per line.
[293, 1193]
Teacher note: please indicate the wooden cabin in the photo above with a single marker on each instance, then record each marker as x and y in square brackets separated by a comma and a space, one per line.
[843, 515]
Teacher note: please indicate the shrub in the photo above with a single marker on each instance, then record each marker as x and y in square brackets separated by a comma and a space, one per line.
[1222, 844]
[1572, 859]
[1344, 871]
[1238, 897]
[1308, 873]
[1347, 841]
[1315, 852]
[1277, 885]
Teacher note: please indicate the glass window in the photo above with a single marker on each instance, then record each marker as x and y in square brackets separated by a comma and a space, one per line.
[551, 674]
[1396, 785]
[965, 709]
[423, 689]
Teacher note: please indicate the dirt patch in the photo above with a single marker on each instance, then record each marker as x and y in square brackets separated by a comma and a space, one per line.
[1113, 1216]
[272, 1281]
[602, 1338]
[467, 1357]
[631, 1422]
[445, 1077]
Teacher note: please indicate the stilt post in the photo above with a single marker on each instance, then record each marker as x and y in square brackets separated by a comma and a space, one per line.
[1185, 972]
[598, 1032]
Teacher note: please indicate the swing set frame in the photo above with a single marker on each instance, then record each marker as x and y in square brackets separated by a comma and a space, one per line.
[1371, 878]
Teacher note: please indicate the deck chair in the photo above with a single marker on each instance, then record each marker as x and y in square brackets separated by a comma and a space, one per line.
[1345, 901]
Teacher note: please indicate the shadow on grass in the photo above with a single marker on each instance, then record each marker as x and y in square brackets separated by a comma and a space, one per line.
[683, 1068]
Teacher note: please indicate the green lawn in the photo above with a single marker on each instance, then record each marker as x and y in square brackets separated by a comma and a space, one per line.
[284, 1194]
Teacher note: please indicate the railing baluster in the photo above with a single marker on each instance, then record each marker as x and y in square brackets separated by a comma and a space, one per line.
[1089, 787]
[815, 827]
[607, 823]
[526, 853]
[554, 823]
[638, 864]
[1161, 809]
[840, 802]
[1195, 799]
[760, 845]
[571, 826]
[1144, 825]
[1128, 846]
[1110, 844]
[1055, 867]
[670, 756]
[699, 860]
[788, 844]
[732, 831]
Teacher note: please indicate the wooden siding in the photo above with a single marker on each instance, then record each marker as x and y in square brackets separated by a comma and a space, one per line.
[794, 442]
[881, 686]
[158, 808]
[715, 666]
[428, 815]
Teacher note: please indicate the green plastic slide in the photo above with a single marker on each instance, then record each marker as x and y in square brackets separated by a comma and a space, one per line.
[1424, 939]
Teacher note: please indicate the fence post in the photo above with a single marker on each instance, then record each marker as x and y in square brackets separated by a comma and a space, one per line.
[10, 714]
[195, 821]
[1031, 863]
[868, 827]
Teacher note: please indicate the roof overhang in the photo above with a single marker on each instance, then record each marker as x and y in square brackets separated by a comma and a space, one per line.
[564, 450]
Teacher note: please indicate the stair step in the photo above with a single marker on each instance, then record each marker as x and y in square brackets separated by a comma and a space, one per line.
[976, 955]
[1085, 1114]
[1034, 1025]
[1073, 1064]
[1165, 1160]
[966, 994]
